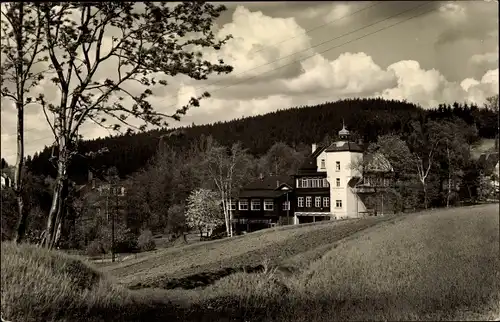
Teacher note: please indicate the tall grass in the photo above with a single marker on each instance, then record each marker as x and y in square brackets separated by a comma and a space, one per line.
[438, 266]
[42, 285]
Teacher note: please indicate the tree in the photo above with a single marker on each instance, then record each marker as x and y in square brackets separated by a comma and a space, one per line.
[227, 172]
[21, 52]
[423, 144]
[281, 159]
[147, 45]
[204, 210]
[452, 146]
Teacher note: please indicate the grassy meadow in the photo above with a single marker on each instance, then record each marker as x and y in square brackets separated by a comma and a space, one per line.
[435, 265]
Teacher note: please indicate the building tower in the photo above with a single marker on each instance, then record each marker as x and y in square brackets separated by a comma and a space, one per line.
[343, 159]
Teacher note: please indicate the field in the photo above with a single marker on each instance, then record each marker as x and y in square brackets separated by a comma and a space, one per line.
[435, 265]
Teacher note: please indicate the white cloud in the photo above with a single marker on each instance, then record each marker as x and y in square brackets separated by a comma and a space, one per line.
[259, 40]
[490, 58]
[350, 74]
[454, 12]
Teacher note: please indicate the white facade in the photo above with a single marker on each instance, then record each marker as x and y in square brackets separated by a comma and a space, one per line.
[344, 201]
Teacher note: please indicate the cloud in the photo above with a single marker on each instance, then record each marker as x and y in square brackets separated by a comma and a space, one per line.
[337, 12]
[485, 59]
[454, 12]
[259, 40]
[349, 74]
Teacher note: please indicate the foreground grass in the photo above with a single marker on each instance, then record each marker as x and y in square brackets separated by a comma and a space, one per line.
[440, 265]
[291, 248]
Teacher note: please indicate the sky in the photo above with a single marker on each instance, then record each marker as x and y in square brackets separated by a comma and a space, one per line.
[288, 54]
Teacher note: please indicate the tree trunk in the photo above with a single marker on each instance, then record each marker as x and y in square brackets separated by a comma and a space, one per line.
[56, 214]
[18, 186]
[449, 178]
[425, 193]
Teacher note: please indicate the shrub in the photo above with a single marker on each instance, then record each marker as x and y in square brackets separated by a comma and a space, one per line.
[146, 241]
[95, 248]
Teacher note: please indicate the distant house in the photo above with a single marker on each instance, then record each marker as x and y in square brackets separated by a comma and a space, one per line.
[6, 181]
[263, 203]
[334, 182]
[490, 166]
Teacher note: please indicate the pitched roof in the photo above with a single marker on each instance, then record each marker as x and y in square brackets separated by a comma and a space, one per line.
[341, 146]
[269, 183]
[377, 162]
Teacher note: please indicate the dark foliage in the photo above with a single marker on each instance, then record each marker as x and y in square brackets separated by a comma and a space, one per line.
[368, 118]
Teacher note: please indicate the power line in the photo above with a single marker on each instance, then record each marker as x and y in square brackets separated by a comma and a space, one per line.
[324, 51]
[268, 46]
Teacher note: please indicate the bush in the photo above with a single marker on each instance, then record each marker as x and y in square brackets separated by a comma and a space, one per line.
[95, 248]
[146, 241]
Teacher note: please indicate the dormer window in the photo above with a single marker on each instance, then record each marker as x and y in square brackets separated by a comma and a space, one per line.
[337, 166]
[323, 164]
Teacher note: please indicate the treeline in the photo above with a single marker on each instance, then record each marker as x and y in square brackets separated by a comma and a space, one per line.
[368, 118]
[432, 163]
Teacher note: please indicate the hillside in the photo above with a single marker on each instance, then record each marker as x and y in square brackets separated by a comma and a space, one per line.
[435, 265]
[368, 118]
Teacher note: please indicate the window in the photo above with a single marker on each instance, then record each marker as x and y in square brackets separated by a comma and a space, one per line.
[314, 183]
[304, 183]
[338, 182]
[326, 202]
[338, 204]
[255, 204]
[286, 205]
[299, 183]
[323, 165]
[337, 165]
[268, 205]
[317, 202]
[318, 182]
[232, 205]
[308, 202]
[243, 205]
[300, 202]
[325, 183]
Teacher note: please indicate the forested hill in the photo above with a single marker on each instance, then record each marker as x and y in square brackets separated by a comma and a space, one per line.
[367, 117]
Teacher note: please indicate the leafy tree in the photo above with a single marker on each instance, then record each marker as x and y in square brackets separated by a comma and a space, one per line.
[281, 159]
[146, 241]
[147, 46]
[203, 210]
[227, 170]
[21, 51]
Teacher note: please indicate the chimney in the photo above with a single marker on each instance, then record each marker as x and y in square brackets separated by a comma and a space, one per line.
[314, 147]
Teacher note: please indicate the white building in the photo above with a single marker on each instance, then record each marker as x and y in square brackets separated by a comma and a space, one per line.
[334, 181]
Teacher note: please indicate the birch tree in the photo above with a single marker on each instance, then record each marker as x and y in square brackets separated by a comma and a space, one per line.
[226, 170]
[108, 58]
[20, 72]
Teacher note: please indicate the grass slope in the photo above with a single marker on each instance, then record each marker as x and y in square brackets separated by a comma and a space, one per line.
[290, 248]
[436, 265]
[439, 265]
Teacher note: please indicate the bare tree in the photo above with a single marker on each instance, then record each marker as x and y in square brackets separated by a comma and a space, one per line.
[148, 42]
[21, 45]
[226, 171]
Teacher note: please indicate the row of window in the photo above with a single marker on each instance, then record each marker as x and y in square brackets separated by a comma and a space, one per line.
[312, 183]
[255, 204]
[315, 183]
[323, 165]
[317, 202]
